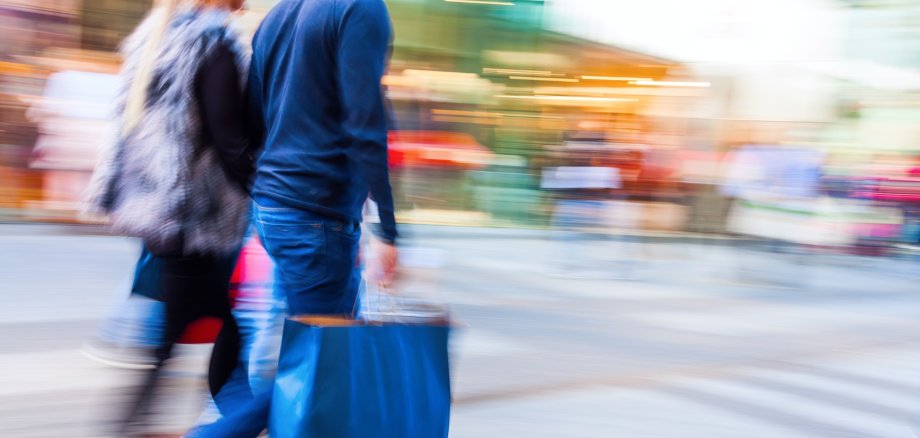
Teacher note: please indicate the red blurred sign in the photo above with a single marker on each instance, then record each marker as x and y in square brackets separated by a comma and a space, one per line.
[437, 149]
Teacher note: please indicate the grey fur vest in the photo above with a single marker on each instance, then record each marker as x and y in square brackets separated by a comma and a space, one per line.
[160, 182]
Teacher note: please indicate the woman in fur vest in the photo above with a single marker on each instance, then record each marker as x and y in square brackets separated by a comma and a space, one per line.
[177, 170]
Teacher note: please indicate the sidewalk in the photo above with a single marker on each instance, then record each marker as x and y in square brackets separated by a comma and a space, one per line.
[678, 352]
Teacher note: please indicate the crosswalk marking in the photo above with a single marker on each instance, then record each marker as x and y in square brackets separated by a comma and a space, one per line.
[894, 369]
[758, 401]
[831, 397]
[871, 394]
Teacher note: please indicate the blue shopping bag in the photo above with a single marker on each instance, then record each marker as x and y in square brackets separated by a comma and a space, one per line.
[345, 378]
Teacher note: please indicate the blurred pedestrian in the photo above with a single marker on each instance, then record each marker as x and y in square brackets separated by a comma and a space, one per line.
[315, 89]
[177, 171]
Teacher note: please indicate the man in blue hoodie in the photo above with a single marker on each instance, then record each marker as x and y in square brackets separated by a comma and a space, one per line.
[318, 109]
[314, 87]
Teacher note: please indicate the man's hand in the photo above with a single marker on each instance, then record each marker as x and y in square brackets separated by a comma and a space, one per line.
[388, 257]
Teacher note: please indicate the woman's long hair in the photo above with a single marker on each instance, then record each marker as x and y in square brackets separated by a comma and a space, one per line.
[160, 16]
[136, 102]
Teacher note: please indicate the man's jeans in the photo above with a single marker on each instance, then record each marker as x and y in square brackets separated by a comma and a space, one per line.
[315, 259]
[316, 269]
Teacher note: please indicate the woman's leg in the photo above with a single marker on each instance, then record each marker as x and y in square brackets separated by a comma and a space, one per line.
[225, 356]
[179, 281]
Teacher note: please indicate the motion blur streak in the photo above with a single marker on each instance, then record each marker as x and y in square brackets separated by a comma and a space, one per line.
[657, 218]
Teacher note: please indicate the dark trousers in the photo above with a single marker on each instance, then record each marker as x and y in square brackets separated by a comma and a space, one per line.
[192, 287]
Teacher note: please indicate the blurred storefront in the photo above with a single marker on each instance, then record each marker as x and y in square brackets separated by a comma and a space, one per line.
[54, 85]
[484, 97]
[535, 98]
[497, 104]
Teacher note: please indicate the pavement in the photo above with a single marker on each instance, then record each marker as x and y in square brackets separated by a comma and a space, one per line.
[598, 337]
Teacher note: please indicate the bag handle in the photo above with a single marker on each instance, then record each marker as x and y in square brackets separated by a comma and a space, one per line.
[382, 303]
